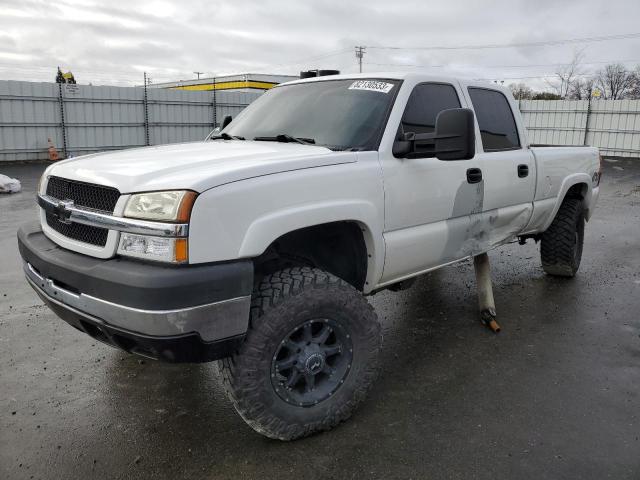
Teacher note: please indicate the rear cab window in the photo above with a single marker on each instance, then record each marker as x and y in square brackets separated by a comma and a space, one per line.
[497, 124]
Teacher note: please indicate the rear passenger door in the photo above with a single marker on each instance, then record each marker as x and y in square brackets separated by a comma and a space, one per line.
[508, 168]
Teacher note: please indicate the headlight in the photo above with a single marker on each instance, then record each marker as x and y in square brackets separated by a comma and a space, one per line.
[162, 249]
[172, 206]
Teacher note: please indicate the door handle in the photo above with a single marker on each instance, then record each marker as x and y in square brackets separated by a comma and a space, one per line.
[474, 175]
[523, 171]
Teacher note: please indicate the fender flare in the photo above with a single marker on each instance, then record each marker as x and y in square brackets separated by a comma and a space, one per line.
[567, 183]
[264, 230]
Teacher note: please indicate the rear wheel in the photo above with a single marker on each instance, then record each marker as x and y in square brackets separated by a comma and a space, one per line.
[310, 355]
[561, 246]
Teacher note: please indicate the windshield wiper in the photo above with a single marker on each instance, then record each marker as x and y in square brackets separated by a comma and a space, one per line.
[285, 138]
[225, 136]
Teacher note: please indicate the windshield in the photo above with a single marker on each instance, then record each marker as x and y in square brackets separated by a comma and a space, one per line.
[339, 114]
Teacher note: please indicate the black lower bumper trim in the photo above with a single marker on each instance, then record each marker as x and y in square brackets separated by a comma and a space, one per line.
[132, 283]
[176, 349]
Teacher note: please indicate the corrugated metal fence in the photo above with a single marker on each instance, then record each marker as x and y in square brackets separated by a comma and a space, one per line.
[611, 125]
[82, 119]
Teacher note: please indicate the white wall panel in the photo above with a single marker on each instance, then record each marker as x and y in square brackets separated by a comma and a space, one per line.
[109, 118]
[105, 118]
[613, 125]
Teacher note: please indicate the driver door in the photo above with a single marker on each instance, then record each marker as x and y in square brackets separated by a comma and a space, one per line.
[429, 203]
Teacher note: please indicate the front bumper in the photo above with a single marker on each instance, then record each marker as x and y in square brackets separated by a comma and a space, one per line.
[176, 313]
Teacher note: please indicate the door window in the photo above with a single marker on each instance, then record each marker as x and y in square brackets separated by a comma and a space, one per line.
[497, 125]
[425, 102]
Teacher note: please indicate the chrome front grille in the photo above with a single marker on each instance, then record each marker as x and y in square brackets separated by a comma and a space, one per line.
[77, 231]
[85, 195]
[88, 195]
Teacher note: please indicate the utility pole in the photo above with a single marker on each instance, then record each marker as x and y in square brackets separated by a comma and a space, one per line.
[198, 74]
[359, 54]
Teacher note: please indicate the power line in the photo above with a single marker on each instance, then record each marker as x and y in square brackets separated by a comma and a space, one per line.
[497, 66]
[360, 50]
[534, 76]
[603, 38]
[307, 59]
[91, 70]
[139, 73]
[134, 76]
[92, 75]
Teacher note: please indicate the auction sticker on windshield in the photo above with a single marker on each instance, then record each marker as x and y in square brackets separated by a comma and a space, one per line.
[372, 86]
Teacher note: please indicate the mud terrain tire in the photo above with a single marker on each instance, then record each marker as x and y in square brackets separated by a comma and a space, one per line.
[561, 246]
[292, 300]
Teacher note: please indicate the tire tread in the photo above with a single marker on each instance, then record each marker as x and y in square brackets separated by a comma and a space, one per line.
[237, 371]
[557, 247]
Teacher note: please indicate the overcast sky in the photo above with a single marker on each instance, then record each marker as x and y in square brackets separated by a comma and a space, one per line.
[112, 42]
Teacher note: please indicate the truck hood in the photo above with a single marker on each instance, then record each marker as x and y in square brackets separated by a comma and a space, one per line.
[196, 166]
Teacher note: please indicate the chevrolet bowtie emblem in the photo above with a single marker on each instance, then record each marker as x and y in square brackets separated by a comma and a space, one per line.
[62, 211]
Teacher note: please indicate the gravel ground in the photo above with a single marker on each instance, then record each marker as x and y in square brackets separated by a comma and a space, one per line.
[555, 395]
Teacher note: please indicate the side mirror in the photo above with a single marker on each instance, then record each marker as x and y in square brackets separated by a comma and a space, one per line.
[226, 121]
[454, 138]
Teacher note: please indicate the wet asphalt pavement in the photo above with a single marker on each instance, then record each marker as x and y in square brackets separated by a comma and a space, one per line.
[555, 395]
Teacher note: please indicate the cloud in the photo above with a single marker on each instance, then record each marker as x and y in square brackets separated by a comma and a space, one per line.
[112, 43]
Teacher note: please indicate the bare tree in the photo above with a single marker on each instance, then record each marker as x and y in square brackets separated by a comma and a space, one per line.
[635, 89]
[615, 81]
[521, 91]
[582, 88]
[567, 75]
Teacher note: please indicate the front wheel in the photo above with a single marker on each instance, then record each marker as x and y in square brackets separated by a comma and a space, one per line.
[310, 355]
[561, 247]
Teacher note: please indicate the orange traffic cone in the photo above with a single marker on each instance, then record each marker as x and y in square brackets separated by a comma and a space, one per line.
[53, 153]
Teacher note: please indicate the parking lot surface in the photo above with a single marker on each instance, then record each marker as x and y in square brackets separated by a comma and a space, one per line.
[555, 395]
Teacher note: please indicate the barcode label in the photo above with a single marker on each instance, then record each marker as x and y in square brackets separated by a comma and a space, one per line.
[372, 86]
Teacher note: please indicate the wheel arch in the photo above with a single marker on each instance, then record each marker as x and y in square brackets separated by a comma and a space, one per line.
[577, 185]
[345, 248]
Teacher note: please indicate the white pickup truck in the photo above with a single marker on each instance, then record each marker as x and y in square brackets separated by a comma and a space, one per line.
[258, 245]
